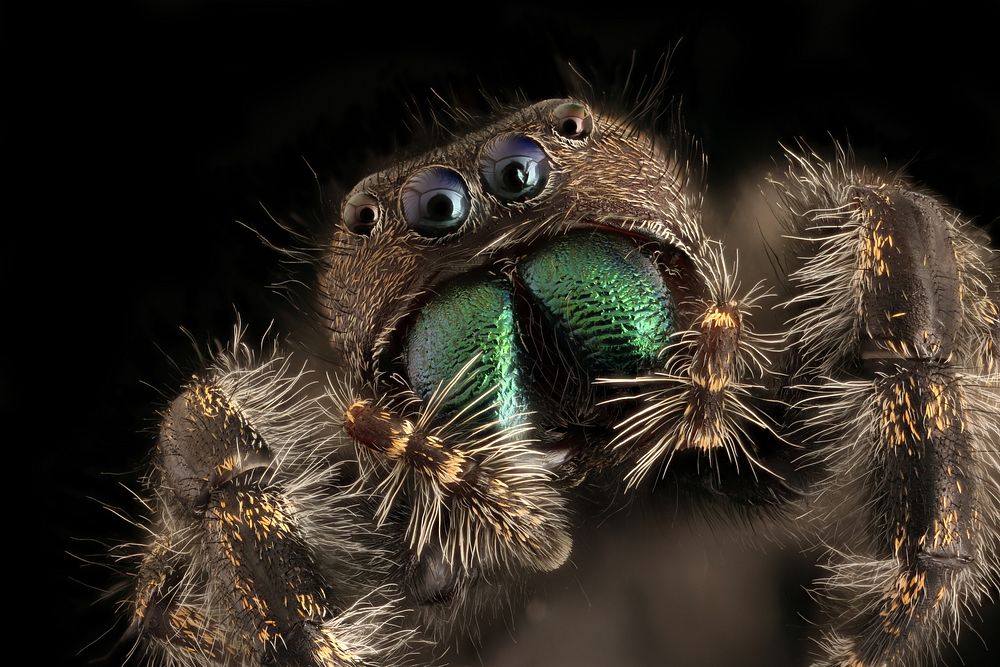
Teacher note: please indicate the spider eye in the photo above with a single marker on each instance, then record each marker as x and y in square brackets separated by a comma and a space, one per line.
[361, 213]
[514, 167]
[435, 201]
[573, 120]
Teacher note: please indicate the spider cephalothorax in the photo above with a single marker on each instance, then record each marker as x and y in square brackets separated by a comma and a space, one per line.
[534, 307]
[533, 270]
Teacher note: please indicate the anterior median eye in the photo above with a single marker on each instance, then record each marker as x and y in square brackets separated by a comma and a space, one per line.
[514, 167]
[435, 201]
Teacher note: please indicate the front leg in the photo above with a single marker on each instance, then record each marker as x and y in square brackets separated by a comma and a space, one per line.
[894, 332]
[240, 572]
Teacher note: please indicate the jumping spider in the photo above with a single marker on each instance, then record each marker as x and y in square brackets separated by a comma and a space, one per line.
[534, 309]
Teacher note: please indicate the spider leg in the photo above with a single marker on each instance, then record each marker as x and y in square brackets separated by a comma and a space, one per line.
[233, 579]
[479, 500]
[486, 500]
[479, 505]
[892, 356]
[699, 421]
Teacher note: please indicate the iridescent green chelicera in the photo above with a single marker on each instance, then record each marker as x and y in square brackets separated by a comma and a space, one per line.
[605, 301]
[604, 295]
[466, 319]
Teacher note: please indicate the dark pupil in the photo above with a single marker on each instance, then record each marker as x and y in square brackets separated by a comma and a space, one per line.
[571, 126]
[439, 207]
[514, 177]
[366, 215]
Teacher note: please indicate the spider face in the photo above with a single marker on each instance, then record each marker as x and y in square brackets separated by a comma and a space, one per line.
[532, 307]
[527, 274]
[486, 200]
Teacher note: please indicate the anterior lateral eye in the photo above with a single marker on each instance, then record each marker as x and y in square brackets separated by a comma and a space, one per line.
[361, 213]
[435, 201]
[514, 167]
[573, 120]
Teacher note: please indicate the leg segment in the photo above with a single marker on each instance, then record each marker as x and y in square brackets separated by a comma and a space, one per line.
[233, 578]
[483, 498]
[919, 476]
[704, 400]
[891, 358]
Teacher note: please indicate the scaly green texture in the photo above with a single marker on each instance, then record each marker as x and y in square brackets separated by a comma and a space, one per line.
[465, 319]
[606, 297]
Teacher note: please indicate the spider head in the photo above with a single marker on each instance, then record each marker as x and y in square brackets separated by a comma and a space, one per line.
[557, 244]
[495, 303]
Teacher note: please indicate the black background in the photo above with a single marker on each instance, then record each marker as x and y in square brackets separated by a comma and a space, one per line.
[137, 135]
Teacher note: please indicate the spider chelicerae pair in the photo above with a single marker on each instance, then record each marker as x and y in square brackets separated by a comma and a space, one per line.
[533, 309]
